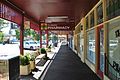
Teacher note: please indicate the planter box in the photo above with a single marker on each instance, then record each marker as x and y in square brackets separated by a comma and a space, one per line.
[48, 50]
[32, 65]
[24, 70]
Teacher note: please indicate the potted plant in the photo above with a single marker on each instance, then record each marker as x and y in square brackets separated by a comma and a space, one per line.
[24, 65]
[32, 62]
[49, 48]
[43, 51]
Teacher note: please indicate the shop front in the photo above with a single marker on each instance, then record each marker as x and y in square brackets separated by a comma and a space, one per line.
[113, 56]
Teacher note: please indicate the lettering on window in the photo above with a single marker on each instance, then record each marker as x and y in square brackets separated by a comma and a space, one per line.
[117, 33]
[116, 66]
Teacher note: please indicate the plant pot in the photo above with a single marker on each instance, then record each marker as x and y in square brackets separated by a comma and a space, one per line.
[49, 50]
[24, 70]
[32, 65]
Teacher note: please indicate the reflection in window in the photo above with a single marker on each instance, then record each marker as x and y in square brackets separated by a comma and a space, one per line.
[113, 8]
[101, 49]
[99, 14]
[114, 47]
[92, 19]
[8, 34]
[32, 38]
[91, 46]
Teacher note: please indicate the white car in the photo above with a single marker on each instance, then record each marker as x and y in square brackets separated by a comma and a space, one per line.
[31, 45]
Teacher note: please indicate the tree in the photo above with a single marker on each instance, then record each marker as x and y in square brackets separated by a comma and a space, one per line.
[27, 32]
[37, 37]
[1, 36]
[49, 37]
[17, 34]
[2, 22]
[55, 38]
[33, 34]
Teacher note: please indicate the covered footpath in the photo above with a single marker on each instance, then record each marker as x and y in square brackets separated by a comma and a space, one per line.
[68, 66]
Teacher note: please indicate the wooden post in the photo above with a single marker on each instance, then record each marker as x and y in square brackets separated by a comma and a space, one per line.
[22, 36]
[47, 38]
[67, 37]
[40, 36]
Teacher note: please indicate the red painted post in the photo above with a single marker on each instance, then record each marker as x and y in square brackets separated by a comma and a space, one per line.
[47, 38]
[40, 36]
[22, 36]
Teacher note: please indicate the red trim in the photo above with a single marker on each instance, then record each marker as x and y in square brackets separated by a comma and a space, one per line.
[34, 26]
[10, 14]
[99, 72]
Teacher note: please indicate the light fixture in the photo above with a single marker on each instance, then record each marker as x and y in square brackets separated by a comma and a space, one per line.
[51, 17]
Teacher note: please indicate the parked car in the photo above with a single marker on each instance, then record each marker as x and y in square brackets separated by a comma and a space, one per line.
[31, 45]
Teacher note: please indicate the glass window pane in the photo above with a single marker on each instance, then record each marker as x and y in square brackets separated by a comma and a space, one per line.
[114, 47]
[113, 8]
[92, 19]
[101, 49]
[91, 46]
[100, 14]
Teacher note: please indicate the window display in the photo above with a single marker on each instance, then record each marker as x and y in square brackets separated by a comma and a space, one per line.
[114, 48]
[91, 46]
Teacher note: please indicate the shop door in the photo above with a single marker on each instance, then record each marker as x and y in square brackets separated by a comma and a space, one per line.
[100, 43]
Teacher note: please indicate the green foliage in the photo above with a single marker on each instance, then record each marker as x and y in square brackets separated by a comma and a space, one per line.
[17, 34]
[43, 51]
[1, 37]
[37, 37]
[49, 47]
[27, 32]
[32, 58]
[49, 37]
[43, 36]
[55, 38]
[32, 33]
[44, 27]
[24, 60]
[2, 22]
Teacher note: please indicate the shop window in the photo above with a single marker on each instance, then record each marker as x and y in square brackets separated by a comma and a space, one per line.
[100, 14]
[113, 8]
[91, 46]
[92, 19]
[114, 49]
[81, 43]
